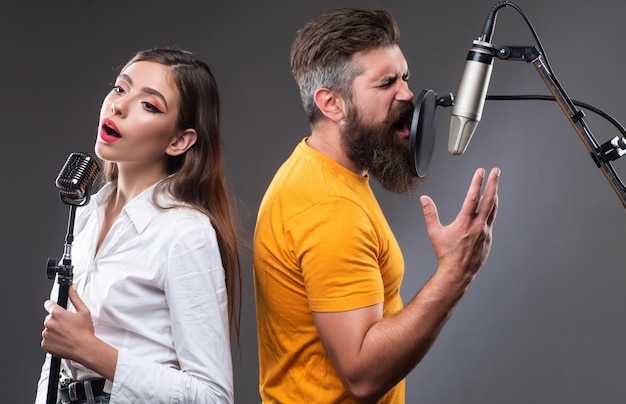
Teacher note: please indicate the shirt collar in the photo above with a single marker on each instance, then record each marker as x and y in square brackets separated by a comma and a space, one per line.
[141, 210]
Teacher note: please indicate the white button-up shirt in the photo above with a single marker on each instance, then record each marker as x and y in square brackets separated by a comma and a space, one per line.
[156, 291]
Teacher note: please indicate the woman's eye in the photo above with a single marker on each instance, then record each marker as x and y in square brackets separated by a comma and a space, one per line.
[151, 107]
[118, 89]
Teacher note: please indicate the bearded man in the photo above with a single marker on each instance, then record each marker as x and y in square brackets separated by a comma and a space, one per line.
[332, 326]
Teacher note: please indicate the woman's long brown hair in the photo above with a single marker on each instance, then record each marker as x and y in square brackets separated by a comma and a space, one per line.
[198, 174]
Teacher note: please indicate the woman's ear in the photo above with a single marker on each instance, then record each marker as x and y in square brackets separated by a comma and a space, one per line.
[182, 142]
[330, 103]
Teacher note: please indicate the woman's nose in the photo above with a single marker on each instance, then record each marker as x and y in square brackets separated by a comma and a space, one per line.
[117, 107]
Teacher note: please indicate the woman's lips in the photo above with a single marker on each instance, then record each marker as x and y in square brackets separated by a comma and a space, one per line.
[109, 132]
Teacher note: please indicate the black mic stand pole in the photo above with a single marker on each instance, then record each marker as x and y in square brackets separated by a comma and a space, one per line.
[603, 154]
[64, 274]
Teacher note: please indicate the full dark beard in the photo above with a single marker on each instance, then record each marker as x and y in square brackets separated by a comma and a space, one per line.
[379, 149]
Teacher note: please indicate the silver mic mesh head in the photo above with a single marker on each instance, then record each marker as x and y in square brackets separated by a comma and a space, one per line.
[76, 178]
[464, 128]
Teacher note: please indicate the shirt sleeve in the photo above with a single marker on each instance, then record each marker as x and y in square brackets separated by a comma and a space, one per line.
[338, 251]
[42, 385]
[196, 294]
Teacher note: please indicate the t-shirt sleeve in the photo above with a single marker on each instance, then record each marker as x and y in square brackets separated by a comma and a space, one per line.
[337, 248]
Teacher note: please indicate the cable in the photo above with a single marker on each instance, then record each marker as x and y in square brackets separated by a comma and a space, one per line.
[551, 98]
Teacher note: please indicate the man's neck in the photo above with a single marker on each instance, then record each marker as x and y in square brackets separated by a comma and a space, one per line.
[327, 140]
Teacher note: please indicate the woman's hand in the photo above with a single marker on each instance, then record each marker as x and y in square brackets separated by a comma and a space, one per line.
[71, 335]
[65, 332]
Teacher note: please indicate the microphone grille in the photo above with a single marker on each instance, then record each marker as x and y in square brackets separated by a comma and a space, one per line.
[77, 176]
[463, 128]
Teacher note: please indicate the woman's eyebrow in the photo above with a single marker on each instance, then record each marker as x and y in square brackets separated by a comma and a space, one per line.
[147, 90]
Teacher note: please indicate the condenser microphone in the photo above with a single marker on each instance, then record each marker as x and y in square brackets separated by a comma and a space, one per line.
[470, 96]
[76, 178]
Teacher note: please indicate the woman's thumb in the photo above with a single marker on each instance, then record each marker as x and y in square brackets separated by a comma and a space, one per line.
[77, 302]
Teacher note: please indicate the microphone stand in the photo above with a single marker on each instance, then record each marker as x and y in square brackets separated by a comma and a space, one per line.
[64, 274]
[74, 182]
[602, 154]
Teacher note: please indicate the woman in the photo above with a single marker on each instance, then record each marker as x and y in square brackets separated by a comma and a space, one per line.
[156, 265]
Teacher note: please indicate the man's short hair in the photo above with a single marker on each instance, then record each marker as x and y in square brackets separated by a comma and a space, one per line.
[322, 50]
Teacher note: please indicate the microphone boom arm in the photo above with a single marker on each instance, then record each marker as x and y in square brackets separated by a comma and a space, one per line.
[602, 155]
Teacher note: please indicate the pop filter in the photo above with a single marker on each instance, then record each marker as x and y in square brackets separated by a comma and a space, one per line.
[423, 132]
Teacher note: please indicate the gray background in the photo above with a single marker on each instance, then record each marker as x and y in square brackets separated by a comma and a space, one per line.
[544, 320]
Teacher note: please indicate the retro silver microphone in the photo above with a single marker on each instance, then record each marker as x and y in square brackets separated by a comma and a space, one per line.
[77, 178]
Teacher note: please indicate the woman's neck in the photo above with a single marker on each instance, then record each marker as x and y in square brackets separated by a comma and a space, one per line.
[131, 183]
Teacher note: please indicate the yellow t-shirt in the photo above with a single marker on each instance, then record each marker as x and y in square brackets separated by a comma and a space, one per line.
[321, 244]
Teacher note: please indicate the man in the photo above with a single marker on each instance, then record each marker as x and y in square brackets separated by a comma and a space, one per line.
[328, 270]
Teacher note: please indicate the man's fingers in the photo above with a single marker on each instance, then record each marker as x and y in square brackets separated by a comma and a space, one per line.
[493, 213]
[488, 202]
[431, 216]
[470, 204]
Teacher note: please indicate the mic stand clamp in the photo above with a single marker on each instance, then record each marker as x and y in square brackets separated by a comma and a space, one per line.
[520, 53]
[63, 273]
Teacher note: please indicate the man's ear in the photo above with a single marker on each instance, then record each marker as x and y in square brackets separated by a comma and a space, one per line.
[330, 103]
[182, 142]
